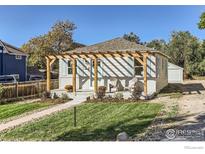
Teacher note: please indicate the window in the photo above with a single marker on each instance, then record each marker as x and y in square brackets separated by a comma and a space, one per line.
[69, 67]
[138, 67]
[18, 57]
[99, 63]
[87, 64]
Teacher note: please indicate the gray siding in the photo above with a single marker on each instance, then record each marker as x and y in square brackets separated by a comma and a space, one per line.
[162, 72]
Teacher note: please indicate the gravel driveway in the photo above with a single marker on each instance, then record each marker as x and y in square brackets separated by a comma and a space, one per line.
[189, 125]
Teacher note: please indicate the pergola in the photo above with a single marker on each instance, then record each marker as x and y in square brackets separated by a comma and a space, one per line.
[114, 48]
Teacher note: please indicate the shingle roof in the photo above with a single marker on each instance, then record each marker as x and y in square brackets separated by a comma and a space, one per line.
[117, 44]
[12, 49]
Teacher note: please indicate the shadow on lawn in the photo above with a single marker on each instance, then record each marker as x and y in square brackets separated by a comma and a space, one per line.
[110, 132]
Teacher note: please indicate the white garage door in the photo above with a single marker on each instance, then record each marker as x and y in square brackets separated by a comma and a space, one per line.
[175, 75]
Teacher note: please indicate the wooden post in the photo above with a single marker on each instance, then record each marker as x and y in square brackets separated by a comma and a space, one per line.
[48, 73]
[74, 117]
[17, 90]
[95, 75]
[38, 88]
[74, 76]
[145, 73]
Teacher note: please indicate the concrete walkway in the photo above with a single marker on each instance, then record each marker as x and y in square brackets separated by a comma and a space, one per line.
[40, 114]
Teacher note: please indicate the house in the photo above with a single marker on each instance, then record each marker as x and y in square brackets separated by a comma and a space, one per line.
[175, 73]
[12, 61]
[95, 65]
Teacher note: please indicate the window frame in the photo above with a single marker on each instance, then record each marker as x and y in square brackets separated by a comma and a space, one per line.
[69, 67]
[18, 57]
[137, 64]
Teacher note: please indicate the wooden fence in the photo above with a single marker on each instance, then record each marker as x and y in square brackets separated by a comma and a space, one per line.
[26, 89]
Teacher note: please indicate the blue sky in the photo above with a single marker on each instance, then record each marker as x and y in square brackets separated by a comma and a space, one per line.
[99, 23]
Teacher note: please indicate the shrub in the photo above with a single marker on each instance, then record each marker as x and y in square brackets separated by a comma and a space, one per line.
[69, 88]
[64, 96]
[46, 95]
[1, 90]
[137, 90]
[54, 96]
[101, 91]
[118, 96]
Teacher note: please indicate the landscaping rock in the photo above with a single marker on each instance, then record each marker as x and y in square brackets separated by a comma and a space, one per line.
[122, 137]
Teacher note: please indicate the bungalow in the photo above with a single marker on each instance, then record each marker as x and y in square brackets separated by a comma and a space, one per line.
[12, 61]
[97, 65]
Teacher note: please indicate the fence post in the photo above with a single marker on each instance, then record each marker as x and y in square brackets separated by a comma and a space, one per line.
[38, 88]
[74, 116]
[17, 90]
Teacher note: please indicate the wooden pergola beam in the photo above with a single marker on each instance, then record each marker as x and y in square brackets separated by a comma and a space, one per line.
[48, 75]
[52, 61]
[145, 55]
[93, 55]
[95, 75]
[60, 56]
[74, 76]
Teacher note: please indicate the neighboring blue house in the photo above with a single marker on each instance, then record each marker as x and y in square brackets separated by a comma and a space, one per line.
[12, 61]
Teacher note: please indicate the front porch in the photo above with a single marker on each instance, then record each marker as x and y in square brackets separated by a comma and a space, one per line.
[141, 57]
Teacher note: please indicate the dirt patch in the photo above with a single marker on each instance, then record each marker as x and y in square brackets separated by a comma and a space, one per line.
[189, 119]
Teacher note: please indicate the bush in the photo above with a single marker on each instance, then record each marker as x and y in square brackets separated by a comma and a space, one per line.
[137, 90]
[69, 88]
[118, 96]
[101, 91]
[64, 96]
[54, 96]
[1, 90]
[46, 95]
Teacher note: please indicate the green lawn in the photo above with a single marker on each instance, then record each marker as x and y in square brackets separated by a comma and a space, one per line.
[95, 122]
[15, 109]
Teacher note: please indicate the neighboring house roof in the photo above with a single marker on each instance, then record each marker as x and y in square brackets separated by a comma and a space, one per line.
[12, 49]
[77, 45]
[173, 66]
[115, 45]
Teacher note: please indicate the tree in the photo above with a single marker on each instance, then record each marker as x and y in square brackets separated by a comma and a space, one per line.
[184, 50]
[201, 24]
[201, 66]
[159, 45]
[132, 37]
[57, 40]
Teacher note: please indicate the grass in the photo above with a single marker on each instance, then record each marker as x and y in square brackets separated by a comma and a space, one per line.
[95, 122]
[199, 77]
[15, 109]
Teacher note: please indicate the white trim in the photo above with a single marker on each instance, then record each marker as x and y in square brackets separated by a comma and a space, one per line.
[18, 57]
[4, 47]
